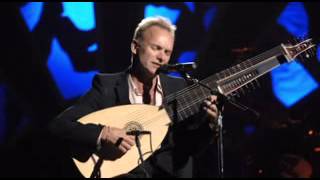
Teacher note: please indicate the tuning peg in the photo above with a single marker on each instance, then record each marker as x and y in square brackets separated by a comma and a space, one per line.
[302, 38]
[307, 56]
[234, 94]
[242, 91]
[250, 87]
[313, 50]
[247, 87]
[238, 95]
[310, 52]
[253, 87]
[258, 84]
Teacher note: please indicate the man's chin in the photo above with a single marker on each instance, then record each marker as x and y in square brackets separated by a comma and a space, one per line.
[152, 73]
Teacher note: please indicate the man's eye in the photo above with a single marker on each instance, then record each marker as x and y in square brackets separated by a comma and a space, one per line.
[156, 47]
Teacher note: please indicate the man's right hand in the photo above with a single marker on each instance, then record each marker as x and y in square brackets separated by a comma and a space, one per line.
[115, 142]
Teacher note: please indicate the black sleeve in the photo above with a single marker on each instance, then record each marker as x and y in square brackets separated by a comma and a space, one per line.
[80, 138]
[202, 138]
[196, 140]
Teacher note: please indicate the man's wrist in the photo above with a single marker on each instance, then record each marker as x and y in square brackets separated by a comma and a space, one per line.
[101, 135]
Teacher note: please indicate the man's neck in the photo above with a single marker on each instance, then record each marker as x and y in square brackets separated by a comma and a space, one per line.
[142, 81]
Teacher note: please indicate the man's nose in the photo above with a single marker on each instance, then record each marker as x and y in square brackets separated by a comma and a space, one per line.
[161, 56]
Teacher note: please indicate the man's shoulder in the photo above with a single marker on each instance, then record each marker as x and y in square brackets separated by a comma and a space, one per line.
[108, 78]
[110, 75]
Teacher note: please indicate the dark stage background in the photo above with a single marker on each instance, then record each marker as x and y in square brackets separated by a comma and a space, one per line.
[51, 51]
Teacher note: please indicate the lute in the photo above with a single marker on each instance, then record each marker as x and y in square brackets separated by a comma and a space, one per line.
[179, 106]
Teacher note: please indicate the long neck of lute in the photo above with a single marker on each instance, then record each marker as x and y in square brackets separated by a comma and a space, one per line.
[187, 102]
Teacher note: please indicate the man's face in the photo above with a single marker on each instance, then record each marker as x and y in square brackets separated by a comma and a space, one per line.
[154, 49]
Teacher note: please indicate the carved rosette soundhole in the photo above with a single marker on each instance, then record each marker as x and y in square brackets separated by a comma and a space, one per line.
[133, 126]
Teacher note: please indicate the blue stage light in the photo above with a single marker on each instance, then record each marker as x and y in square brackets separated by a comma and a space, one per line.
[70, 83]
[31, 13]
[172, 14]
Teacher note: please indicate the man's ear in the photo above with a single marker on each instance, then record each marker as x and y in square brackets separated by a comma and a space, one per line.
[134, 47]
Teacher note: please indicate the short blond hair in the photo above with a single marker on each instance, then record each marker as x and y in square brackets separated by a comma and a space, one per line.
[159, 21]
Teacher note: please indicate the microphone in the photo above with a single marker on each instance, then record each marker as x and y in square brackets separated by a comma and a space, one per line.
[179, 67]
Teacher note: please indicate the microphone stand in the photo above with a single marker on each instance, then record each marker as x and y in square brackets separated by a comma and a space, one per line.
[137, 134]
[221, 101]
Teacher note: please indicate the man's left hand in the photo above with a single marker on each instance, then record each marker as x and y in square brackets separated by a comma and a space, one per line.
[210, 106]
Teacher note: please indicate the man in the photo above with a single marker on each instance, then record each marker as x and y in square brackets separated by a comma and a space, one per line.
[151, 47]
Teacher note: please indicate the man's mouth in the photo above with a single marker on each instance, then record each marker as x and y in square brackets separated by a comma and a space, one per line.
[157, 64]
